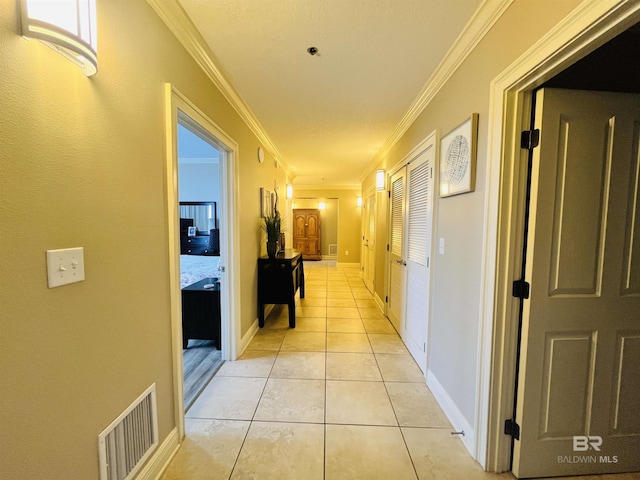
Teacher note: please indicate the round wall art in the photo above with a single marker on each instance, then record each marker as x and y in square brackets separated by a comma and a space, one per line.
[458, 158]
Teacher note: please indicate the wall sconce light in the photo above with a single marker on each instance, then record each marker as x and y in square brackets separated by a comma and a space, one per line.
[380, 180]
[359, 201]
[322, 205]
[289, 191]
[67, 26]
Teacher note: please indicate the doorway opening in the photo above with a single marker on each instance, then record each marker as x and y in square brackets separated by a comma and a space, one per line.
[511, 95]
[199, 202]
[222, 224]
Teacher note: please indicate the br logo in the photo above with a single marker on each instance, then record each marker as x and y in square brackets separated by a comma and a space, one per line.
[582, 443]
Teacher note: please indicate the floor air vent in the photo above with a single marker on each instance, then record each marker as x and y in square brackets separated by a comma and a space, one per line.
[333, 249]
[126, 444]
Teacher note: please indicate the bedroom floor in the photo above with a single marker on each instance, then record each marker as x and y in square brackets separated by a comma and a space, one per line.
[338, 397]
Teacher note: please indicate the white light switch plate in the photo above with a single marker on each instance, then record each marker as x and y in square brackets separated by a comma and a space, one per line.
[64, 266]
[441, 247]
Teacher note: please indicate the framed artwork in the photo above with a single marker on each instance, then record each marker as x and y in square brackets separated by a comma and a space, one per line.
[265, 203]
[458, 150]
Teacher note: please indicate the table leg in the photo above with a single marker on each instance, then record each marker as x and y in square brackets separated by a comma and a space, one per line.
[261, 315]
[292, 314]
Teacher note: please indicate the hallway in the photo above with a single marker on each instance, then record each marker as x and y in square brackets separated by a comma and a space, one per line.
[338, 397]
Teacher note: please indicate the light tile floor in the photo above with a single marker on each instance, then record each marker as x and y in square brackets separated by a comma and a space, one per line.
[338, 397]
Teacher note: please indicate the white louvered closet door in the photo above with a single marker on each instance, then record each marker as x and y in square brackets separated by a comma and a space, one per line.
[396, 250]
[419, 207]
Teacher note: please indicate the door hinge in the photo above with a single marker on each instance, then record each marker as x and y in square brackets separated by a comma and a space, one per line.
[530, 139]
[389, 193]
[512, 429]
[386, 299]
[387, 247]
[521, 289]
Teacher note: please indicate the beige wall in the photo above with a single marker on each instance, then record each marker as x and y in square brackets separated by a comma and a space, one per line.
[349, 218]
[83, 165]
[456, 276]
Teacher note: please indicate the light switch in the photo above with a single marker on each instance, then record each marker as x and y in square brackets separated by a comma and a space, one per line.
[65, 265]
[441, 247]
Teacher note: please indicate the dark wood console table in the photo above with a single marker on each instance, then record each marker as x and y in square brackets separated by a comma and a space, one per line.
[201, 311]
[278, 281]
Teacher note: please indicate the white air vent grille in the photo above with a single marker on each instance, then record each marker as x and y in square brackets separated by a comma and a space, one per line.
[126, 444]
[333, 249]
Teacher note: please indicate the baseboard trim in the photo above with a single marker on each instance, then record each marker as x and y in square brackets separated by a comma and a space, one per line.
[379, 302]
[455, 416]
[247, 337]
[159, 461]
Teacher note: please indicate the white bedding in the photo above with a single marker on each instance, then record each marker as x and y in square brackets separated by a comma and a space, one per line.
[196, 267]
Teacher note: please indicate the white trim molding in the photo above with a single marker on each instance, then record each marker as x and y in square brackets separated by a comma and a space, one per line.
[175, 18]
[487, 14]
[159, 461]
[458, 421]
[315, 186]
[590, 25]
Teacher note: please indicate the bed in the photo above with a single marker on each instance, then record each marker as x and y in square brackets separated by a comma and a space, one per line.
[194, 268]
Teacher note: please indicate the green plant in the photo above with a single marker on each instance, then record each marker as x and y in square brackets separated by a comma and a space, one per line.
[271, 226]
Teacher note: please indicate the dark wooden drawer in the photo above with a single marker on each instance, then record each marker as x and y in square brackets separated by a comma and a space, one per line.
[198, 245]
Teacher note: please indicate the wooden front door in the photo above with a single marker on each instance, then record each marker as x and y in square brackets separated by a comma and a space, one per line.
[306, 233]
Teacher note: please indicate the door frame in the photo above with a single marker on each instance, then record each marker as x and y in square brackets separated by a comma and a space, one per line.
[177, 107]
[589, 26]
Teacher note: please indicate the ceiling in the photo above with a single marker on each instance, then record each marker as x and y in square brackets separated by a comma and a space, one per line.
[328, 115]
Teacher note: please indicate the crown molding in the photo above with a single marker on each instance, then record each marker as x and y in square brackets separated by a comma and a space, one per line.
[356, 186]
[179, 23]
[480, 23]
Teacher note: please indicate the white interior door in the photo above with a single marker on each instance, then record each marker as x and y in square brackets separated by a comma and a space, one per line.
[419, 208]
[580, 364]
[364, 249]
[369, 241]
[396, 250]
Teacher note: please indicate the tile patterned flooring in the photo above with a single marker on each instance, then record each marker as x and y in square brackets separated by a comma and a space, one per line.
[338, 397]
